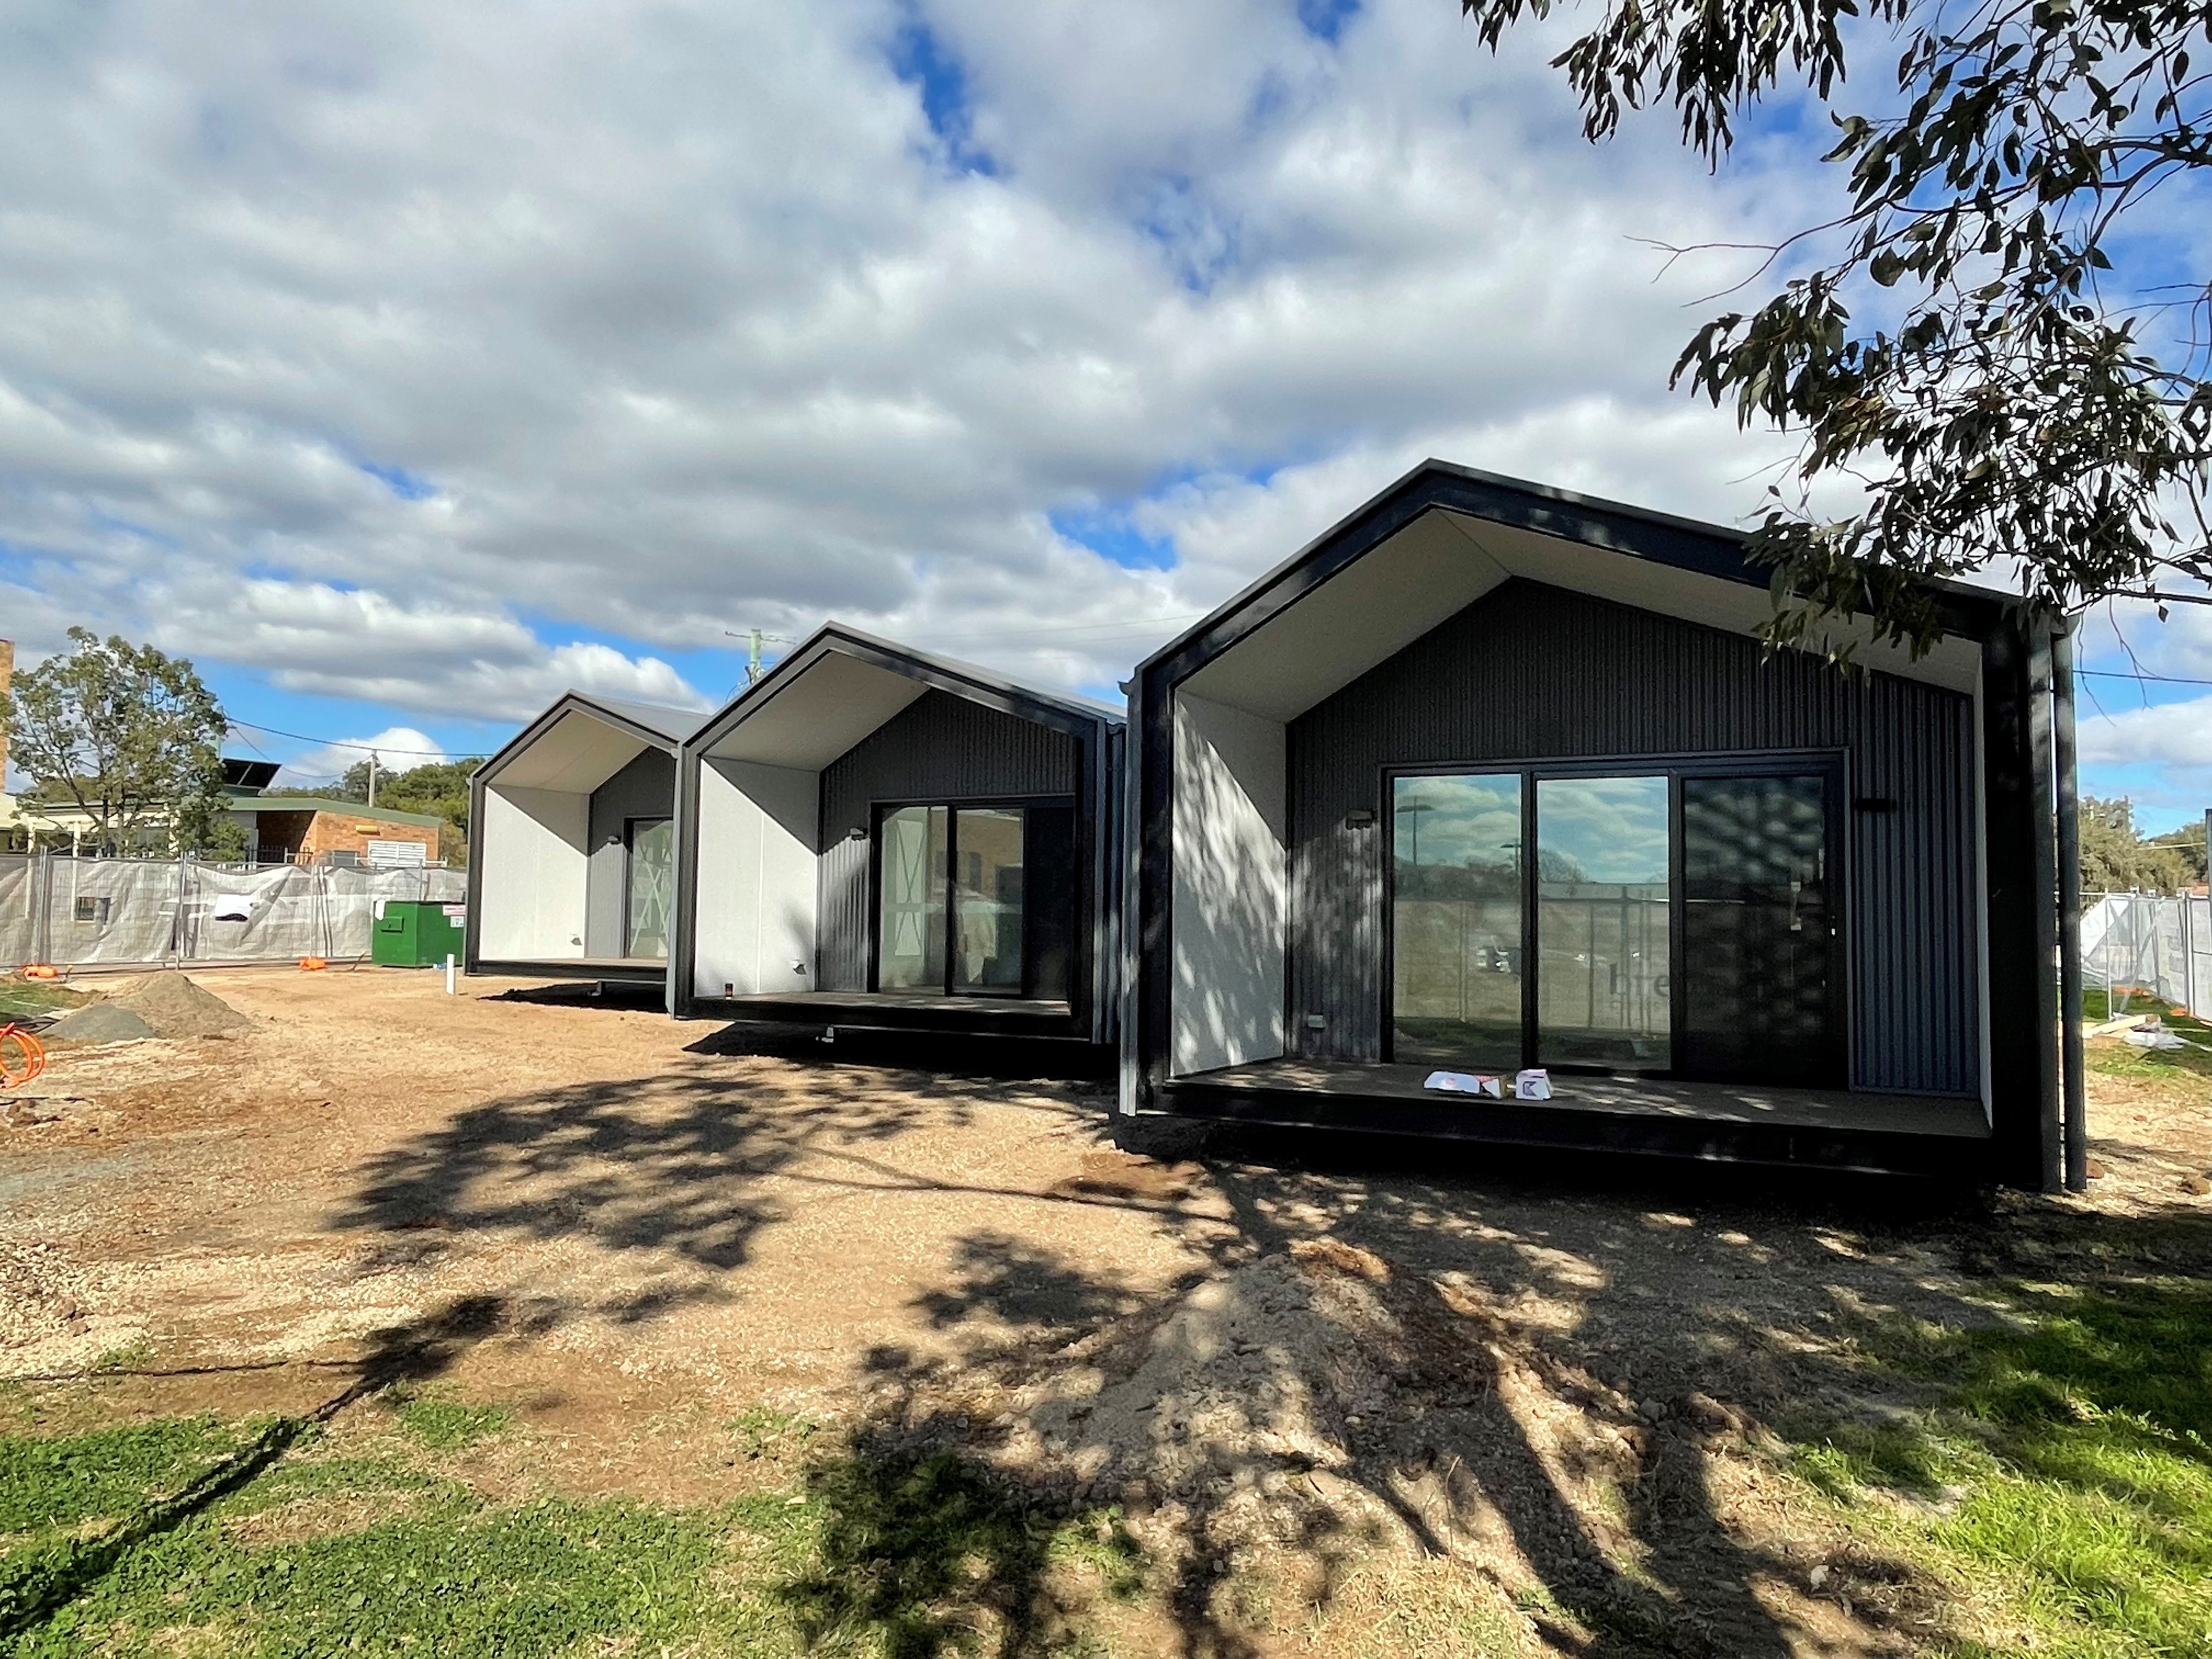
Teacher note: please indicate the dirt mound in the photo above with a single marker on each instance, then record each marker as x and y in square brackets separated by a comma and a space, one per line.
[103, 1022]
[1260, 1376]
[173, 1006]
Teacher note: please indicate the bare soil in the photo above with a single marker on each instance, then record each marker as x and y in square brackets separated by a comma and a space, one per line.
[1357, 1397]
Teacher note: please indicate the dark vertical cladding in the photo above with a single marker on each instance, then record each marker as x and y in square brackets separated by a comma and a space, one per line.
[940, 747]
[645, 788]
[2023, 1058]
[1531, 672]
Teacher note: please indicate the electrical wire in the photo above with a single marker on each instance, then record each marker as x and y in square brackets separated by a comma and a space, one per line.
[339, 743]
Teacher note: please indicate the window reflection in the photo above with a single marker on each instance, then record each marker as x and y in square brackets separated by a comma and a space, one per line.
[1603, 913]
[1456, 920]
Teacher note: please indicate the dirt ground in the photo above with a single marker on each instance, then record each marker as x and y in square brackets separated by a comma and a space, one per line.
[1363, 1397]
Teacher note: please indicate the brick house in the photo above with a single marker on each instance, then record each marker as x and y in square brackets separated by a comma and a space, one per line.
[306, 829]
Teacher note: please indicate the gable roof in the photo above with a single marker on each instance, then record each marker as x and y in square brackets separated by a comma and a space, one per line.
[840, 685]
[584, 739]
[1443, 534]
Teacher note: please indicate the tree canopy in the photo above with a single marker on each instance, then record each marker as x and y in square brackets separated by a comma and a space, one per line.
[2006, 398]
[127, 735]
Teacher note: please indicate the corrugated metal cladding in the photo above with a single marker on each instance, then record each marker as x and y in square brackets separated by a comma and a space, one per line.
[1530, 672]
[939, 747]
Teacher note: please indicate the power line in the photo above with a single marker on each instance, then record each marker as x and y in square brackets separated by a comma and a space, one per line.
[340, 743]
[2122, 674]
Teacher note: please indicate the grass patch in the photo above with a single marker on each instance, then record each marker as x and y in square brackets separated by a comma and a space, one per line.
[2069, 1462]
[899, 1557]
[2115, 1057]
[20, 997]
[440, 1424]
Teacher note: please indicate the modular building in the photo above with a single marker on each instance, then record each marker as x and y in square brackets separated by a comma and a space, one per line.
[1493, 778]
[875, 838]
[573, 831]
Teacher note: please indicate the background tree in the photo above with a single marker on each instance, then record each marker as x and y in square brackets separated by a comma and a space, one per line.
[2115, 857]
[2014, 402]
[125, 733]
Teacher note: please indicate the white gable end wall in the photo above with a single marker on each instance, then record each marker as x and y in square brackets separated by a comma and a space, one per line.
[1230, 908]
[753, 928]
[533, 848]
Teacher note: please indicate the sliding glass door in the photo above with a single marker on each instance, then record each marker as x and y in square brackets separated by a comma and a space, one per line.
[1455, 977]
[975, 900]
[1678, 918]
[1604, 910]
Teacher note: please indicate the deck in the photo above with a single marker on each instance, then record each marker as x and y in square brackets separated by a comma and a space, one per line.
[615, 970]
[1832, 1127]
[902, 1010]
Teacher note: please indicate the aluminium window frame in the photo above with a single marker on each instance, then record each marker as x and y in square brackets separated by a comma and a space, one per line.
[879, 807]
[1831, 763]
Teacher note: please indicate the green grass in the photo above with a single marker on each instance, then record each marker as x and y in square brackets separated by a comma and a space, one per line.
[198, 1536]
[2067, 1469]
[2115, 1058]
[33, 997]
[442, 1425]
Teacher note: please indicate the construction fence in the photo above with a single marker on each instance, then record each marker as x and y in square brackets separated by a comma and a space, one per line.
[2133, 942]
[87, 912]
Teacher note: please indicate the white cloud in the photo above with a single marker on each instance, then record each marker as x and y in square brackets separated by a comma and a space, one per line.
[389, 350]
[2170, 734]
[397, 749]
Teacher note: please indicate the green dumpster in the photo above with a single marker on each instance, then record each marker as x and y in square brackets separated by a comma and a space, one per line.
[416, 933]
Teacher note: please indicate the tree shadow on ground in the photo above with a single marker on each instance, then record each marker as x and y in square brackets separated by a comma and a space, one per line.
[1549, 1373]
[1557, 1381]
[407, 1354]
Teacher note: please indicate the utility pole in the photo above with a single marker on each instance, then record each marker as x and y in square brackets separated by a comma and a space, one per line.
[754, 639]
[371, 777]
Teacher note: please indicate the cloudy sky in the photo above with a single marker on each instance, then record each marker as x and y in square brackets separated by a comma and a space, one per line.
[405, 364]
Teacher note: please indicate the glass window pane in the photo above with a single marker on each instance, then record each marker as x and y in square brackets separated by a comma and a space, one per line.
[1455, 921]
[1602, 918]
[987, 891]
[652, 879]
[910, 928]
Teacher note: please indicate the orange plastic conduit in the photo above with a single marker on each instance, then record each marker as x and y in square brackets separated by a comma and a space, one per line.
[22, 1057]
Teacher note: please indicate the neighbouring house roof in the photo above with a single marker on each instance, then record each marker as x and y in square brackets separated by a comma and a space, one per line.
[840, 685]
[250, 805]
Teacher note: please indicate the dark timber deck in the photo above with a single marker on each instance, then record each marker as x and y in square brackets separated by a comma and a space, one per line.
[1839, 1128]
[626, 970]
[899, 1010]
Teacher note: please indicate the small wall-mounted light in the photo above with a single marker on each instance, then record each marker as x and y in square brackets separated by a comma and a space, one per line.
[1359, 817]
[858, 832]
[1317, 1022]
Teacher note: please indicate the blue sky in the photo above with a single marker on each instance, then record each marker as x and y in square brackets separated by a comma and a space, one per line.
[404, 365]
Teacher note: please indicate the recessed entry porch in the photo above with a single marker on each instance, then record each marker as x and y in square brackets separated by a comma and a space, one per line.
[574, 871]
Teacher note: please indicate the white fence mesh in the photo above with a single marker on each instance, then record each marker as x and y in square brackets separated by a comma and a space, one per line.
[72, 911]
[2143, 942]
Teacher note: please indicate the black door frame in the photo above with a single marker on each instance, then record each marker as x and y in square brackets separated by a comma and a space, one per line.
[630, 882]
[1831, 764]
[954, 805]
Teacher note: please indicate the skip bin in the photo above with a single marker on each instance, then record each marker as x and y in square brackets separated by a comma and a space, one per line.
[416, 933]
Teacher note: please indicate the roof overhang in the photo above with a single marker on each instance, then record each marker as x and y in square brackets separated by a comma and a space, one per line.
[841, 684]
[573, 748]
[1443, 537]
